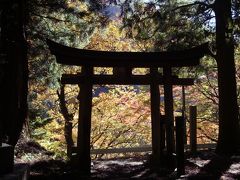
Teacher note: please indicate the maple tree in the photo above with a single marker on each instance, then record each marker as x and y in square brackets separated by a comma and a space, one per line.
[85, 33]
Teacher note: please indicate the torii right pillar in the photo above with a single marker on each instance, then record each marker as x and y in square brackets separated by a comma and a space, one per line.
[169, 116]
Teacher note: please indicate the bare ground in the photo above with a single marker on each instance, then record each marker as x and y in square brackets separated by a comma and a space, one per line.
[203, 165]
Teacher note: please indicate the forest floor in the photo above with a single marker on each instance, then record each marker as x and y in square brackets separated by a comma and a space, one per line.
[203, 165]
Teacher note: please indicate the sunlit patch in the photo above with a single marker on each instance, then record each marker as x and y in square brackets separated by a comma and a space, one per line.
[140, 71]
[109, 163]
[199, 162]
[234, 169]
[103, 70]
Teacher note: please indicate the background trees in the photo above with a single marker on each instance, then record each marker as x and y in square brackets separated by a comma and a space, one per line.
[46, 118]
[201, 14]
[155, 25]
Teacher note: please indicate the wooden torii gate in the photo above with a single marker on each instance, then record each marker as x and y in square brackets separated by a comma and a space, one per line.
[122, 63]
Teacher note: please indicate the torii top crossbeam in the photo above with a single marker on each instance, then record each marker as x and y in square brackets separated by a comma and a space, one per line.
[81, 57]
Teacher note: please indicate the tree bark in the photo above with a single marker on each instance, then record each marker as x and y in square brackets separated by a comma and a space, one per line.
[68, 121]
[15, 80]
[228, 107]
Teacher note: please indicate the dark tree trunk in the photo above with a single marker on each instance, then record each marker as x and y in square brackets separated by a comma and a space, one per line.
[228, 107]
[68, 121]
[15, 70]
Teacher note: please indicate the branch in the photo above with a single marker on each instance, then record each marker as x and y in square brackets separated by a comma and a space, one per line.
[206, 135]
[98, 136]
[207, 94]
[63, 108]
[207, 6]
[50, 17]
[214, 88]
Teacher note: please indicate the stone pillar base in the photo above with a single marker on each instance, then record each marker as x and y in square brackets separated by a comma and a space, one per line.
[20, 172]
[6, 159]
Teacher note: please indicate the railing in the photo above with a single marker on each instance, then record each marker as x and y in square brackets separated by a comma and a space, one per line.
[147, 148]
[122, 150]
[192, 147]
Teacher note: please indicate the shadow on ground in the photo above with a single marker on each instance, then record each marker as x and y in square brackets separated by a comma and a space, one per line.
[204, 165]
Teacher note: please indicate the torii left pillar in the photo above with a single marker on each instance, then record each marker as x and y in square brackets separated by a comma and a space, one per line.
[84, 123]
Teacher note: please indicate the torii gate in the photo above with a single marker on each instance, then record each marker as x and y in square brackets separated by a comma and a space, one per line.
[123, 62]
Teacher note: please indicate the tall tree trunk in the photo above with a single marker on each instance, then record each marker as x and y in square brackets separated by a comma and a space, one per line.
[228, 107]
[15, 80]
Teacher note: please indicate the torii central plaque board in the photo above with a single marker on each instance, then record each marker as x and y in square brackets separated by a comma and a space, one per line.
[123, 62]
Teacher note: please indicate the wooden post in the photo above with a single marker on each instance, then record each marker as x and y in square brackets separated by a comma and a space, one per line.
[68, 136]
[180, 145]
[155, 117]
[184, 113]
[162, 133]
[123, 72]
[1, 127]
[193, 128]
[0, 134]
[1, 94]
[84, 122]
[168, 103]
